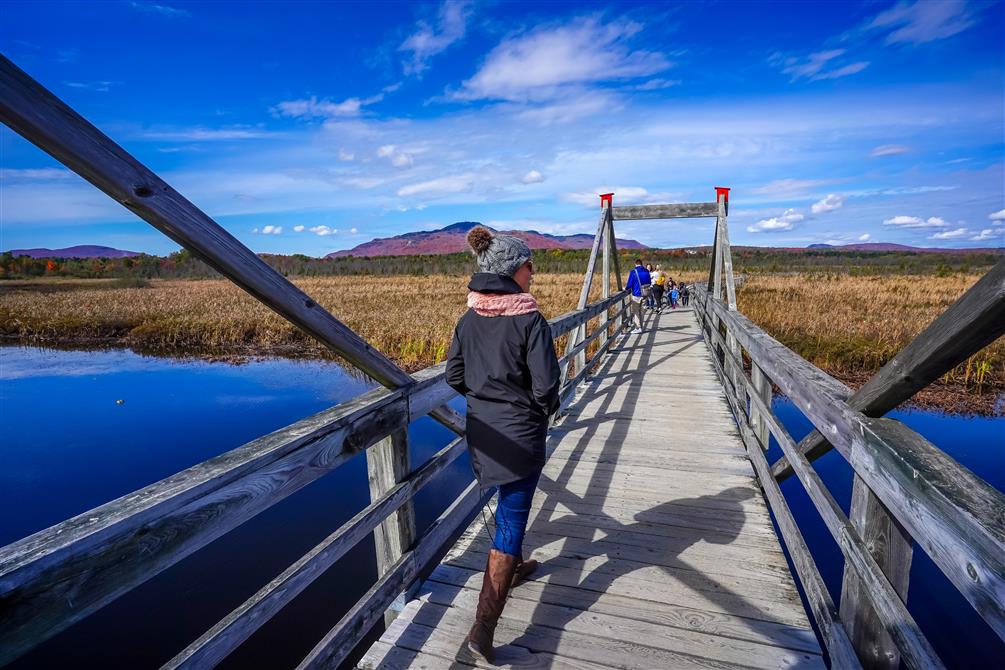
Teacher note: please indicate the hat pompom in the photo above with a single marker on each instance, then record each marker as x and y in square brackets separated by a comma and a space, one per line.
[479, 239]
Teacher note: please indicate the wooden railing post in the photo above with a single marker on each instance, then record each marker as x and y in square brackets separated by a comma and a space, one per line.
[387, 465]
[758, 423]
[605, 286]
[890, 546]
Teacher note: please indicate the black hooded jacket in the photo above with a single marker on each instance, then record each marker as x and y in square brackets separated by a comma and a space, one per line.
[507, 369]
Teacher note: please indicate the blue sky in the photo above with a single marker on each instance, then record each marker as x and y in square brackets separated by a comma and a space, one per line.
[314, 127]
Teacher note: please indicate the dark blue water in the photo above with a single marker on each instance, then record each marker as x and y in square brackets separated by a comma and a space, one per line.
[68, 446]
[957, 632]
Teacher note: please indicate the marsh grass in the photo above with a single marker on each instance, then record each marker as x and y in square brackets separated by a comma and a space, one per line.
[847, 325]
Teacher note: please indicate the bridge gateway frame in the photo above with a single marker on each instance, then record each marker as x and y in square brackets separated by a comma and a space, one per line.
[905, 488]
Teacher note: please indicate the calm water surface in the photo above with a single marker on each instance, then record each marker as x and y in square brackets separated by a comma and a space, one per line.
[68, 445]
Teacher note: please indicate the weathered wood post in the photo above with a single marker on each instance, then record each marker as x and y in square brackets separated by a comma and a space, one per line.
[388, 464]
[891, 547]
[725, 256]
[759, 423]
[604, 321]
[577, 335]
[613, 245]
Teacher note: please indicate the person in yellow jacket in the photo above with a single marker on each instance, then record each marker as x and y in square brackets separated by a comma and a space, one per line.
[659, 280]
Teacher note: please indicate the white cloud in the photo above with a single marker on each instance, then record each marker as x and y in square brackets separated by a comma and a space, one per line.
[99, 86]
[656, 84]
[915, 222]
[889, 150]
[924, 21]
[201, 134]
[323, 231]
[623, 195]
[40, 174]
[271, 230]
[397, 157]
[401, 160]
[533, 177]
[998, 216]
[987, 234]
[816, 66]
[440, 186]
[828, 204]
[785, 221]
[346, 156]
[864, 237]
[539, 64]
[788, 188]
[353, 231]
[949, 234]
[312, 107]
[298, 229]
[163, 10]
[430, 40]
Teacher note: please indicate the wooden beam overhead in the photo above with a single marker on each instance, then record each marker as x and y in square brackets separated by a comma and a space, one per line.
[685, 210]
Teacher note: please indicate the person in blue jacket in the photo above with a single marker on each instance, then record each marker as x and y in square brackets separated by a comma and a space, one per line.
[637, 279]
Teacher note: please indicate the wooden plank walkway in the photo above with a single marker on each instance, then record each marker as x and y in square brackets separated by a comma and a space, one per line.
[656, 546]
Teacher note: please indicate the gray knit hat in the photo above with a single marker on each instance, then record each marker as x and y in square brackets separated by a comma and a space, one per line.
[498, 254]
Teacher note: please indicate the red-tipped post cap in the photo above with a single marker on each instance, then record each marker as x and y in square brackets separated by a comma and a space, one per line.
[608, 198]
[723, 191]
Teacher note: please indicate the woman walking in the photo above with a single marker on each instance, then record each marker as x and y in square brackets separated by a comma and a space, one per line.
[658, 279]
[502, 359]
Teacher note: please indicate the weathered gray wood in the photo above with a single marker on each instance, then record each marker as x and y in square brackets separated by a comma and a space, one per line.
[873, 593]
[605, 288]
[214, 645]
[387, 465]
[727, 253]
[582, 346]
[890, 547]
[566, 322]
[958, 517]
[762, 389]
[568, 392]
[95, 557]
[41, 118]
[825, 613]
[340, 640]
[684, 210]
[584, 295]
[971, 323]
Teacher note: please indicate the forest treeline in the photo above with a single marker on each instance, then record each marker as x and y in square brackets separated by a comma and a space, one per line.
[184, 265]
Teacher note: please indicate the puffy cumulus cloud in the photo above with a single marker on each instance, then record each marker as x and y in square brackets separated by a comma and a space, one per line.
[889, 150]
[323, 230]
[432, 38]
[987, 234]
[533, 177]
[828, 204]
[998, 216]
[816, 66]
[949, 234]
[298, 229]
[864, 237]
[924, 21]
[538, 64]
[269, 230]
[915, 222]
[785, 221]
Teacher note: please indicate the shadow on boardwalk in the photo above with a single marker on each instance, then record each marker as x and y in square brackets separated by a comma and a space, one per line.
[579, 565]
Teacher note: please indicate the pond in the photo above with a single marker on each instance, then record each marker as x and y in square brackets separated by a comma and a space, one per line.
[69, 444]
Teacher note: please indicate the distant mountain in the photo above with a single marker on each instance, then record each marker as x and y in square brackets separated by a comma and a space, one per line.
[890, 246]
[451, 239]
[80, 251]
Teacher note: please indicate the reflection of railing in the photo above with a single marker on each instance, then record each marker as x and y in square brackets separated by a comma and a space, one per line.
[905, 489]
[63, 574]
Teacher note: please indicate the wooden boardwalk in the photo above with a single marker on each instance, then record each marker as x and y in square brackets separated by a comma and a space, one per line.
[656, 546]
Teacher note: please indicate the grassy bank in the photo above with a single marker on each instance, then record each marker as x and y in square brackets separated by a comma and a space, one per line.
[847, 325]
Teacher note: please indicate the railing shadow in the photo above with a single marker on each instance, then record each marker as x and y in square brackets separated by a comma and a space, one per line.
[576, 559]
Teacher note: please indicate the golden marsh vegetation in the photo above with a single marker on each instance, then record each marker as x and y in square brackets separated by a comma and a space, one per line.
[847, 325]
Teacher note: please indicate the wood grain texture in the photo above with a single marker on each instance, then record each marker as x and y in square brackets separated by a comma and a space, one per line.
[686, 210]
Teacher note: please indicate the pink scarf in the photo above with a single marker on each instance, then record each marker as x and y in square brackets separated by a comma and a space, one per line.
[501, 304]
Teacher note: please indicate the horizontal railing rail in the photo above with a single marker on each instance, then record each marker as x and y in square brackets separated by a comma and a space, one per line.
[60, 575]
[956, 517]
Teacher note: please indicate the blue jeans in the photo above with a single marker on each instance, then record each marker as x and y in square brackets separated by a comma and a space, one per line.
[512, 513]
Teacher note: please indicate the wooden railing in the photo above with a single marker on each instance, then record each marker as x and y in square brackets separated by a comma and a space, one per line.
[906, 491]
[64, 573]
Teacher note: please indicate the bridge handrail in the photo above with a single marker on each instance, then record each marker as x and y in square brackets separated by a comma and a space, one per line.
[91, 559]
[958, 518]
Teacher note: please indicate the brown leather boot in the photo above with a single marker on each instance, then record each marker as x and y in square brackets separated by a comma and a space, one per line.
[499, 573]
[524, 569]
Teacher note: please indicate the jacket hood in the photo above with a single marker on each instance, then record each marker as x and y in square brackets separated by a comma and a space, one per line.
[488, 282]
